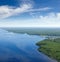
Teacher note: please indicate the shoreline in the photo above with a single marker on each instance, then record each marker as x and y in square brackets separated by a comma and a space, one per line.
[50, 47]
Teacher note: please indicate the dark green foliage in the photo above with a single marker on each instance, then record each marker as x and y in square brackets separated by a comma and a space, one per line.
[35, 31]
[50, 47]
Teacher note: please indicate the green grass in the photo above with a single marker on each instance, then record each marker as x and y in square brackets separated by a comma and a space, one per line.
[50, 47]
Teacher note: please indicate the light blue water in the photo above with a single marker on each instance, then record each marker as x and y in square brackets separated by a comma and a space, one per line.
[20, 48]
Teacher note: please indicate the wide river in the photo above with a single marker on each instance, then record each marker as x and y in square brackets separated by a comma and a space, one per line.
[16, 47]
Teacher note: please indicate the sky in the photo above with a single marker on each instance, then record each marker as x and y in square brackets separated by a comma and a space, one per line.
[29, 13]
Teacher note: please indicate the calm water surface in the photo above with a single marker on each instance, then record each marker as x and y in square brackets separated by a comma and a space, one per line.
[20, 48]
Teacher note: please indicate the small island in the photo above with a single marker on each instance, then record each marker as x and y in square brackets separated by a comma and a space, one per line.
[50, 47]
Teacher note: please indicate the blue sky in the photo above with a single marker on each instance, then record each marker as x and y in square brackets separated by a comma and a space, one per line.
[29, 13]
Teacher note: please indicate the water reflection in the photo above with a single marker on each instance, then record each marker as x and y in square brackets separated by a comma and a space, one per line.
[20, 48]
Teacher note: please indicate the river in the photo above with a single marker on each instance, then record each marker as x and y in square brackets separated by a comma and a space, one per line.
[15, 47]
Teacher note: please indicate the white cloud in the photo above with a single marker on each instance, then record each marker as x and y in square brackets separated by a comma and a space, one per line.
[50, 20]
[6, 11]
[39, 9]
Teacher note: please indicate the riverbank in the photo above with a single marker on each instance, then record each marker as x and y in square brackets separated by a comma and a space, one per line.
[50, 47]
